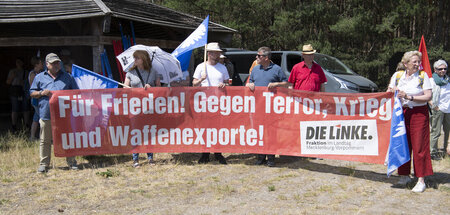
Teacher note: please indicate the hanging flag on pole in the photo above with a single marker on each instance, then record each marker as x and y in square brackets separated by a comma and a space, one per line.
[425, 61]
[90, 80]
[197, 39]
[398, 151]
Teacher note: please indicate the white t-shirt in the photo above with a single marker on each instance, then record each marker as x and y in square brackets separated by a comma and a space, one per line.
[444, 97]
[411, 86]
[214, 74]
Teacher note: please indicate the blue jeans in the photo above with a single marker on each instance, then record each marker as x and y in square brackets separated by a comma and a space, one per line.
[136, 156]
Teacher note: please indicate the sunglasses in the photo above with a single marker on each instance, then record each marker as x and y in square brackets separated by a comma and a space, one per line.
[258, 55]
[440, 69]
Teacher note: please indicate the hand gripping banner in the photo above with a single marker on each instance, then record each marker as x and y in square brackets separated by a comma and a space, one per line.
[354, 127]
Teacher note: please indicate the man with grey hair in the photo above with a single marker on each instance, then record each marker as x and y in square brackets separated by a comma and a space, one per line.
[266, 74]
[42, 87]
[440, 107]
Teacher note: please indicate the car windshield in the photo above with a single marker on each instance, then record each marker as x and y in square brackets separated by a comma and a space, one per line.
[332, 65]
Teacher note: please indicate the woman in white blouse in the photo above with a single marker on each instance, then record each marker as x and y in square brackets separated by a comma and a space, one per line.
[414, 90]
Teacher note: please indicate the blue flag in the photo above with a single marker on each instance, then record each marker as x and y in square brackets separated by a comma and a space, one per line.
[90, 80]
[197, 39]
[398, 152]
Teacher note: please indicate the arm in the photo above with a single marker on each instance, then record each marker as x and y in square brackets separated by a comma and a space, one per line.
[284, 84]
[11, 76]
[322, 87]
[198, 76]
[423, 98]
[39, 94]
[32, 75]
[157, 82]
[127, 82]
[223, 84]
[197, 82]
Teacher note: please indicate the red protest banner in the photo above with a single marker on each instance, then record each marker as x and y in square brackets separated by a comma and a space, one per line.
[352, 127]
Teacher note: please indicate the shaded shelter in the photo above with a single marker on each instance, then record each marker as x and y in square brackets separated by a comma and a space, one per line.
[85, 28]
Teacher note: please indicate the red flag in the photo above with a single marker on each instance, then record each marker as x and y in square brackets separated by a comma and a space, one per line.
[425, 61]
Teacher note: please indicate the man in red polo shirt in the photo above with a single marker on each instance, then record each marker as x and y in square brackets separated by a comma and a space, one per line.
[308, 75]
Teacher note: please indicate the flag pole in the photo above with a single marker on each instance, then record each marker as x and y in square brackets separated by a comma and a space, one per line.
[204, 58]
[123, 85]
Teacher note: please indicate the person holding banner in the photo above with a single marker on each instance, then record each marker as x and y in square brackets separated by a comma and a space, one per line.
[414, 91]
[43, 84]
[440, 107]
[141, 75]
[308, 75]
[266, 74]
[211, 74]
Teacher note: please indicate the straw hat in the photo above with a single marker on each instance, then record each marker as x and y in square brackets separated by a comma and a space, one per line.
[308, 49]
[52, 57]
[213, 47]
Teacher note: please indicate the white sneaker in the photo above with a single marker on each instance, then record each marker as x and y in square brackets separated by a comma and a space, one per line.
[404, 180]
[419, 188]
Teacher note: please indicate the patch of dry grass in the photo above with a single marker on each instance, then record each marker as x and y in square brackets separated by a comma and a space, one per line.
[177, 185]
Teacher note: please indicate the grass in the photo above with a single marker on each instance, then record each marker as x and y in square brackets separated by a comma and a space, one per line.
[108, 173]
[108, 184]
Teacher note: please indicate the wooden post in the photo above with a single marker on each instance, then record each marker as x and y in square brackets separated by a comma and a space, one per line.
[98, 48]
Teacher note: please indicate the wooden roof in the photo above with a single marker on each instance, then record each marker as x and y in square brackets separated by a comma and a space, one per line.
[20, 11]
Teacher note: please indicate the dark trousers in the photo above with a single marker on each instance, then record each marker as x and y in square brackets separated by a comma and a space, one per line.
[269, 157]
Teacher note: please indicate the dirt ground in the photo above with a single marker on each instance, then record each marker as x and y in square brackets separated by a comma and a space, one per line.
[178, 185]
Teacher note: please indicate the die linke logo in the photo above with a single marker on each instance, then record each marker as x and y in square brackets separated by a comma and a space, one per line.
[338, 132]
[343, 137]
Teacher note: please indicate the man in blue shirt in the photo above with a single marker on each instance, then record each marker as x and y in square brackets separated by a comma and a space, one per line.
[41, 88]
[266, 74]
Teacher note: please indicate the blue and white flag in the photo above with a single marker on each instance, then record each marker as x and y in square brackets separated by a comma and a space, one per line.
[398, 152]
[197, 39]
[90, 80]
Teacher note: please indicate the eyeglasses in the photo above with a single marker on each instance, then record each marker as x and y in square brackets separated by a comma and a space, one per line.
[439, 69]
[258, 55]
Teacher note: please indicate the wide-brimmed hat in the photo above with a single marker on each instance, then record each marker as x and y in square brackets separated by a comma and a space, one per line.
[308, 49]
[213, 47]
[51, 58]
[223, 56]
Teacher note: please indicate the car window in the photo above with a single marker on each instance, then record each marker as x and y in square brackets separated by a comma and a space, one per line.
[276, 58]
[332, 65]
[242, 63]
[291, 60]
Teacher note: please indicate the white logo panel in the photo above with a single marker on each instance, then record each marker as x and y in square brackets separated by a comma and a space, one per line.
[343, 137]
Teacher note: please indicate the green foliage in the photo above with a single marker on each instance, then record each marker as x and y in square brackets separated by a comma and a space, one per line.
[108, 173]
[366, 35]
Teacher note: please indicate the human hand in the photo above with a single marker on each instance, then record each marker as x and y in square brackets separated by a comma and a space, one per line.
[221, 85]
[251, 86]
[46, 93]
[203, 75]
[147, 86]
[272, 85]
[402, 95]
[392, 90]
